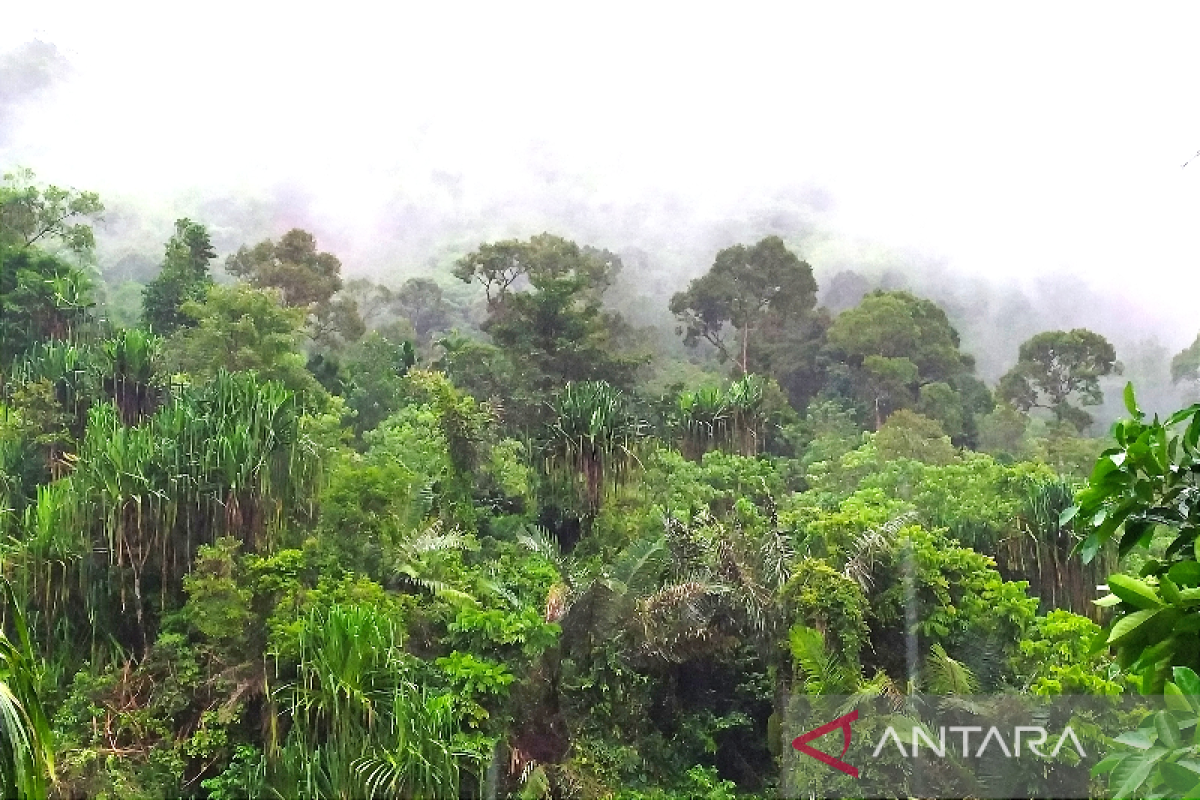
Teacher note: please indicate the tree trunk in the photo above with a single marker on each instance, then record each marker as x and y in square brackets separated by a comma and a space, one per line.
[745, 349]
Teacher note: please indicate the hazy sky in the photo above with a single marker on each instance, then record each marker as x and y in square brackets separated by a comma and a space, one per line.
[1025, 138]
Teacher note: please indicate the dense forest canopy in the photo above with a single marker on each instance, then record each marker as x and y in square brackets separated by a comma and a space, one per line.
[486, 534]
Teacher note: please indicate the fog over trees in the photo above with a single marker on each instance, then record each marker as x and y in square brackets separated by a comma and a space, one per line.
[548, 405]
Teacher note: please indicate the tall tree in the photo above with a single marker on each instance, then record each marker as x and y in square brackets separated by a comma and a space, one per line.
[184, 277]
[373, 299]
[744, 288]
[502, 268]
[1185, 366]
[305, 277]
[895, 343]
[420, 301]
[545, 314]
[1055, 367]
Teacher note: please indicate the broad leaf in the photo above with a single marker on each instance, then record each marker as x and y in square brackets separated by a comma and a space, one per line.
[1137, 593]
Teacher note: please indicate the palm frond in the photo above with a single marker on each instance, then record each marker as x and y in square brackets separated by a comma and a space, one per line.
[947, 676]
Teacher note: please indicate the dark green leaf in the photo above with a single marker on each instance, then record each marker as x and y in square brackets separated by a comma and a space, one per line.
[1185, 573]
[1179, 779]
[1137, 532]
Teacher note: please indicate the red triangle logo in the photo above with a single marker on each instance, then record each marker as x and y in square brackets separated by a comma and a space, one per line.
[801, 743]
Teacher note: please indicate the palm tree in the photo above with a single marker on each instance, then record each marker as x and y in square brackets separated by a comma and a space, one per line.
[409, 554]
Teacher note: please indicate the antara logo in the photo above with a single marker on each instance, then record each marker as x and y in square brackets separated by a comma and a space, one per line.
[1024, 737]
[843, 722]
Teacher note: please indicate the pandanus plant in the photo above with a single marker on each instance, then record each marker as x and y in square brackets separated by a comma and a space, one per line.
[360, 727]
[702, 421]
[64, 368]
[745, 399]
[26, 742]
[714, 419]
[62, 363]
[593, 440]
[129, 363]
[1043, 551]
[225, 458]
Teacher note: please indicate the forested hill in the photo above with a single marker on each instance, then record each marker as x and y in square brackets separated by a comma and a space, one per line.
[271, 531]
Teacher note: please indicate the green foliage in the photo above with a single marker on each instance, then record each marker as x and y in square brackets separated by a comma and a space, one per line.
[895, 343]
[359, 724]
[423, 757]
[265, 557]
[184, 278]
[829, 602]
[960, 599]
[239, 328]
[736, 419]
[1185, 366]
[592, 442]
[117, 725]
[1143, 485]
[305, 279]
[26, 742]
[939, 401]
[1002, 433]
[1160, 757]
[1066, 451]
[421, 302]
[218, 607]
[375, 368]
[827, 432]
[41, 297]
[1057, 656]
[226, 458]
[910, 435]
[898, 325]
[702, 783]
[499, 266]
[556, 332]
[474, 681]
[130, 373]
[50, 216]
[243, 778]
[511, 634]
[820, 670]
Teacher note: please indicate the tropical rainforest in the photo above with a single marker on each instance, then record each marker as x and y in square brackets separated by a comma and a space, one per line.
[267, 530]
